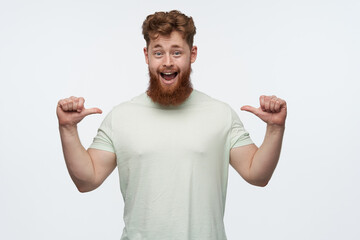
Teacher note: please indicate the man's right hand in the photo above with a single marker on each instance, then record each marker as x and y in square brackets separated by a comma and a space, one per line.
[88, 169]
[70, 111]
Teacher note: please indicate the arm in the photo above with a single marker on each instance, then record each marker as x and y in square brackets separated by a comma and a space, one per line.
[88, 169]
[256, 165]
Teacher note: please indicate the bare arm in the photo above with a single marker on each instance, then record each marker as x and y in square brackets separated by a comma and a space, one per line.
[88, 169]
[256, 165]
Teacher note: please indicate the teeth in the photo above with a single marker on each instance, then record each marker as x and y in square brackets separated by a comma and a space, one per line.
[168, 73]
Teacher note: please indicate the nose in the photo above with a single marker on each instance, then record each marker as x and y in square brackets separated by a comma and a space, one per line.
[168, 62]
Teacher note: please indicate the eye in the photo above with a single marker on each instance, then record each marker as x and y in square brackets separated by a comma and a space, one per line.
[177, 53]
[157, 54]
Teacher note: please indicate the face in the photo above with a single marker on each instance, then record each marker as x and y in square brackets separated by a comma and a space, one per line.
[169, 59]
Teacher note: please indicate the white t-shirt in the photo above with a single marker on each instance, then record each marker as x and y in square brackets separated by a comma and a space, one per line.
[173, 165]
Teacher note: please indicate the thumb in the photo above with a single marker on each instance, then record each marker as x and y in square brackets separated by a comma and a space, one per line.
[86, 112]
[250, 109]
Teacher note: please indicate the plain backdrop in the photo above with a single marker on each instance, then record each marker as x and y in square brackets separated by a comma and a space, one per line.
[306, 52]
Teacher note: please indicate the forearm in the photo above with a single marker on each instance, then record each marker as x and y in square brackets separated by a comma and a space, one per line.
[267, 156]
[78, 160]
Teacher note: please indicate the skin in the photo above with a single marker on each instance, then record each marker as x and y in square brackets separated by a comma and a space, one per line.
[89, 168]
[256, 165]
[169, 54]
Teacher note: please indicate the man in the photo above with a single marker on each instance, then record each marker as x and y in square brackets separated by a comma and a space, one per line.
[173, 144]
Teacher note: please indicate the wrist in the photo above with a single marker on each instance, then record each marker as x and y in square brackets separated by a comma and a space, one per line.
[68, 128]
[274, 128]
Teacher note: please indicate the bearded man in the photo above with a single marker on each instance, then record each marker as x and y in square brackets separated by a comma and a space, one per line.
[172, 144]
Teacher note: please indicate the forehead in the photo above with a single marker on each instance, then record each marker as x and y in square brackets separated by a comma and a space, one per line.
[175, 39]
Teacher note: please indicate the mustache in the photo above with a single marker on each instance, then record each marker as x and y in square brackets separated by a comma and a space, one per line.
[172, 69]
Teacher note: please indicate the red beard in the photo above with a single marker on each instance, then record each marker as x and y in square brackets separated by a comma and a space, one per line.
[168, 97]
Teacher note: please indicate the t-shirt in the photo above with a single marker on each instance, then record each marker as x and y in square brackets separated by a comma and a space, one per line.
[173, 165]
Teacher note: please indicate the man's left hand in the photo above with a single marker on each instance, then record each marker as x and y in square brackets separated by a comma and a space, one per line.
[272, 110]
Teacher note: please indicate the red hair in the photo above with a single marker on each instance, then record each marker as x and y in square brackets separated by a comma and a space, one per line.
[164, 23]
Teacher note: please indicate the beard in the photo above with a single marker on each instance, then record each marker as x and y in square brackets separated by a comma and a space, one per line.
[174, 95]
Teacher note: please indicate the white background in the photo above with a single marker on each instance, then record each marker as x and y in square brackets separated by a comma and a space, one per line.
[306, 52]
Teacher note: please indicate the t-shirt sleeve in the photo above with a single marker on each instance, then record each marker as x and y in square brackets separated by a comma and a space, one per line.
[103, 139]
[238, 135]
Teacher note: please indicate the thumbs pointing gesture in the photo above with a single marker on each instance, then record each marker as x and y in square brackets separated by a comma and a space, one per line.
[272, 110]
[70, 111]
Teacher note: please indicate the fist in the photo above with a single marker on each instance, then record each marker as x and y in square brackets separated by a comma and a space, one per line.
[272, 110]
[70, 111]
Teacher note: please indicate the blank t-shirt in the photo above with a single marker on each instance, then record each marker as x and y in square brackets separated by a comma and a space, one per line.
[173, 165]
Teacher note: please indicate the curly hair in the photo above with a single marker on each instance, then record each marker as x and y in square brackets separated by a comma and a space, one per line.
[164, 23]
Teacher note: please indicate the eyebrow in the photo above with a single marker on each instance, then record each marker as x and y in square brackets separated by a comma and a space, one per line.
[172, 46]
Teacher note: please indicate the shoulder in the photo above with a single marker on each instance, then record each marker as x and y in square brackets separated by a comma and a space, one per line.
[130, 108]
[137, 100]
[214, 103]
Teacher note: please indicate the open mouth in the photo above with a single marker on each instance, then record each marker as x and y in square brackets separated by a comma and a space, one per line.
[169, 76]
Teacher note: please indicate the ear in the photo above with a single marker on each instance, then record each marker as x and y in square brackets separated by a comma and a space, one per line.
[146, 55]
[193, 54]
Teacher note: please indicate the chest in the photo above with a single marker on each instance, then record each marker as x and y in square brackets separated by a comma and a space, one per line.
[157, 132]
